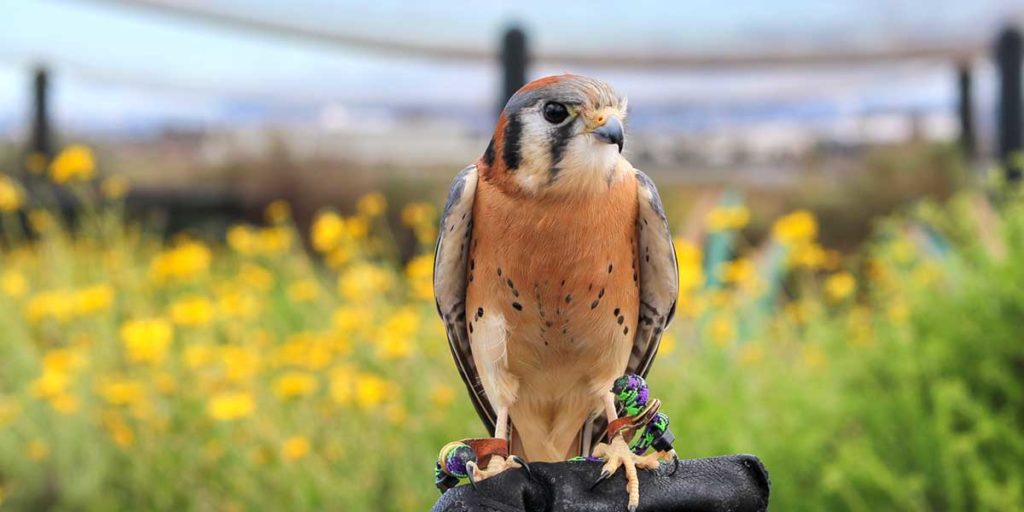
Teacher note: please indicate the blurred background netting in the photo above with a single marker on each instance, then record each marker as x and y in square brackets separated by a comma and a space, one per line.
[218, 217]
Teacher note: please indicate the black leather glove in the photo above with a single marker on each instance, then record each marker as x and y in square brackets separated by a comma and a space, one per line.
[735, 483]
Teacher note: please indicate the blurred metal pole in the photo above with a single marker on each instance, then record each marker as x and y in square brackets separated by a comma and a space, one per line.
[40, 142]
[965, 86]
[1008, 54]
[514, 60]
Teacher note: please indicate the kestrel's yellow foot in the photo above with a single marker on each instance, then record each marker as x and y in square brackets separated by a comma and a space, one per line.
[496, 465]
[618, 454]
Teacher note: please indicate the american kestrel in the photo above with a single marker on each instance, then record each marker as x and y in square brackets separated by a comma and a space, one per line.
[555, 273]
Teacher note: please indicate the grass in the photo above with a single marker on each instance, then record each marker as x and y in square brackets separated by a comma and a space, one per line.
[245, 372]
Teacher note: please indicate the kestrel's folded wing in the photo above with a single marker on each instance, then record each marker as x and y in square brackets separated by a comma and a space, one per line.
[659, 291]
[451, 257]
[659, 276]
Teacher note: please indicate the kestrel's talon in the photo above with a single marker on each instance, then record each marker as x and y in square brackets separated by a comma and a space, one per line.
[471, 470]
[600, 478]
[515, 459]
[675, 463]
[618, 454]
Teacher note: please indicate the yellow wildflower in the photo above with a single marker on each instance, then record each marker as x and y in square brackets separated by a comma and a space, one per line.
[186, 261]
[327, 231]
[37, 450]
[420, 217]
[51, 383]
[839, 286]
[277, 211]
[391, 346]
[295, 448]
[197, 356]
[442, 396]
[356, 228]
[418, 214]
[93, 299]
[273, 240]
[234, 302]
[256, 276]
[394, 337]
[115, 187]
[63, 359]
[65, 403]
[342, 384]
[309, 349]
[372, 204]
[364, 280]
[56, 304]
[667, 344]
[75, 162]
[229, 406]
[11, 196]
[119, 431]
[809, 255]
[294, 384]
[339, 256]
[242, 239]
[240, 363]
[147, 340]
[13, 283]
[305, 290]
[796, 228]
[192, 311]
[727, 218]
[420, 274]
[691, 268]
[740, 271]
[723, 330]
[122, 391]
[371, 390]
[349, 319]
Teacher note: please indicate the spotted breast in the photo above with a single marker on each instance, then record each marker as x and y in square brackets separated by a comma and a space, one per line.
[552, 280]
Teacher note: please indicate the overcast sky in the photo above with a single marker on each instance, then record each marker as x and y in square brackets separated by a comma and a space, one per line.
[115, 65]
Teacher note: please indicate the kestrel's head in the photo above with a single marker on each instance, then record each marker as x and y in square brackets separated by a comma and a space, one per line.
[557, 134]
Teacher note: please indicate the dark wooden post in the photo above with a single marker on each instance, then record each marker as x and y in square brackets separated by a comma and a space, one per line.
[514, 60]
[965, 86]
[40, 142]
[1008, 53]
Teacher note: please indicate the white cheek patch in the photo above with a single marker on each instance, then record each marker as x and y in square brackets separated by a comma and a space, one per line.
[534, 152]
[587, 165]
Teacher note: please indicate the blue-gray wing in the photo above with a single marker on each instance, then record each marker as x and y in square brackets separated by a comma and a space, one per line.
[659, 276]
[451, 258]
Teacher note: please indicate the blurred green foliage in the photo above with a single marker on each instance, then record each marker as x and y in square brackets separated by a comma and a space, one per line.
[247, 373]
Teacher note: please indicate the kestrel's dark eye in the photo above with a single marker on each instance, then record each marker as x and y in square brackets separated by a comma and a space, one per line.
[555, 112]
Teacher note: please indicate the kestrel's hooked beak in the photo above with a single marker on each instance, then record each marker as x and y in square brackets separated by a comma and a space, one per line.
[611, 131]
